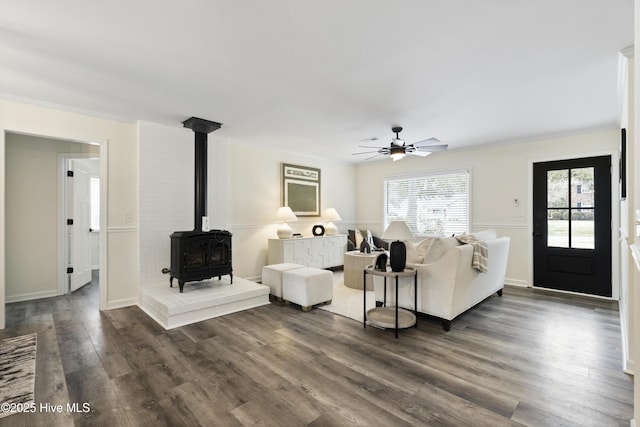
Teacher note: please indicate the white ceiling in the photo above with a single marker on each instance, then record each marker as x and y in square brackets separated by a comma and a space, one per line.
[317, 77]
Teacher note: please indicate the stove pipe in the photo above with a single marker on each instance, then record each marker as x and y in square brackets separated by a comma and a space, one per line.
[201, 128]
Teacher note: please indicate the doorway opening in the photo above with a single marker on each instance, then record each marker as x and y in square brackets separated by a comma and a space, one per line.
[36, 217]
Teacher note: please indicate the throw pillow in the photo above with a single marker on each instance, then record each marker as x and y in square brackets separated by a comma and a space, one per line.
[369, 238]
[351, 236]
[413, 257]
[423, 247]
[437, 248]
[484, 235]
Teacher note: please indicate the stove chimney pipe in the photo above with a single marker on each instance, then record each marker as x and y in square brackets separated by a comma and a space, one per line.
[201, 128]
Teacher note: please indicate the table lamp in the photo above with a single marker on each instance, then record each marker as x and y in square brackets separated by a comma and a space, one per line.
[331, 215]
[396, 232]
[285, 214]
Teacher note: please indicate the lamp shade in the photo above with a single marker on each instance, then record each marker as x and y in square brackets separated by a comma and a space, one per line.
[285, 214]
[397, 230]
[331, 214]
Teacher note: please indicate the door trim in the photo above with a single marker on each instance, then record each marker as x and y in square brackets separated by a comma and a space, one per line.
[615, 219]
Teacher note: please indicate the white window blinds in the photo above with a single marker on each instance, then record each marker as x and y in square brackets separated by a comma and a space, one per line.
[436, 204]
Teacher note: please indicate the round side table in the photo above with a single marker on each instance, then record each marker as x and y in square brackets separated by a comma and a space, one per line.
[390, 317]
[354, 263]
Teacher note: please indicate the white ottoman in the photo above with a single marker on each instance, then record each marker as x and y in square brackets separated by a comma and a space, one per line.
[307, 286]
[272, 276]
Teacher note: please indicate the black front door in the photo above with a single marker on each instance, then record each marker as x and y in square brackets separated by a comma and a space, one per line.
[572, 225]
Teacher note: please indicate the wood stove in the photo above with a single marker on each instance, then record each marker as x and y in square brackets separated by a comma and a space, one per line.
[200, 254]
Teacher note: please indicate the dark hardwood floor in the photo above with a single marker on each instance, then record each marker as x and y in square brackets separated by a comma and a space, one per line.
[529, 358]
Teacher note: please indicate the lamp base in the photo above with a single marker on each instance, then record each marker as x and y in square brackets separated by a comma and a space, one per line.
[330, 229]
[397, 256]
[284, 231]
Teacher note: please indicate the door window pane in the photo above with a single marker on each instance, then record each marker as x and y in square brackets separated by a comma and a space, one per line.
[558, 228]
[558, 188]
[582, 188]
[582, 229]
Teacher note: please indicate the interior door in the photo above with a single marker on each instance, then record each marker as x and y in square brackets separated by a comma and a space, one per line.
[80, 249]
[572, 225]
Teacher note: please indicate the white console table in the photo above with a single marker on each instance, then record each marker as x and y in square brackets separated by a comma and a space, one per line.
[319, 252]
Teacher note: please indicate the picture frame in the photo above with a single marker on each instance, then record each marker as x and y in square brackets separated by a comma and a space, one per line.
[301, 189]
[623, 164]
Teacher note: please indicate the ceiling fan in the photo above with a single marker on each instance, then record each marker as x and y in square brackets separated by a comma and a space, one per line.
[397, 149]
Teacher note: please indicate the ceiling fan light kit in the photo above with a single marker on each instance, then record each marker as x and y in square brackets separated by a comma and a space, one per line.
[397, 149]
[397, 153]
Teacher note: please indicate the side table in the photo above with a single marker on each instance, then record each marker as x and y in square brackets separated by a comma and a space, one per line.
[354, 262]
[381, 315]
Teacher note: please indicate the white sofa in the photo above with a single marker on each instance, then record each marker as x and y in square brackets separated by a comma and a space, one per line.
[448, 285]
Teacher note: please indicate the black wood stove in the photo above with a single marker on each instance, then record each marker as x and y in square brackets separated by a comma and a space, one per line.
[199, 255]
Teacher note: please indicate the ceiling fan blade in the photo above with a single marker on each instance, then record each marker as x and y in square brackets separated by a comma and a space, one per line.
[364, 152]
[429, 141]
[370, 146]
[419, 153]
[373, 157]
[429, 148]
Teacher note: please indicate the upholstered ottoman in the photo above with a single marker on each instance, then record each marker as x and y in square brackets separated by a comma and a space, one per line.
[272, 276]
[307, 286]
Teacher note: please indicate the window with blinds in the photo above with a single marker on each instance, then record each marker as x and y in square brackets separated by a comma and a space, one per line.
[435, 204]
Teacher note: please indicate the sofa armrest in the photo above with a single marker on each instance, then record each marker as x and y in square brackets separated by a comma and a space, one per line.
[437, 282]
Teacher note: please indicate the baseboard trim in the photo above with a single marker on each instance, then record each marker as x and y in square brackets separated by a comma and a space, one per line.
[31, 296]
[516, 282]
[126, 302]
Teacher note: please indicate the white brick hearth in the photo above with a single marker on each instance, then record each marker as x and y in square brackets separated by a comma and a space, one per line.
[200, 300]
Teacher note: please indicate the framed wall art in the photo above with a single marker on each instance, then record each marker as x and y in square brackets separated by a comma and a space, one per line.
[301, 189]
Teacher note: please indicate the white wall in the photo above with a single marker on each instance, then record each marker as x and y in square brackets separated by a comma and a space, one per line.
[32, 215]
[244, 186]
[255, 195]
[500, 174]
[165, 205]
[118, 140]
